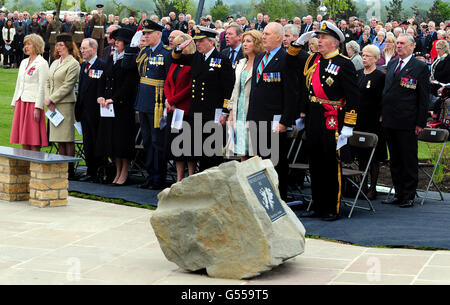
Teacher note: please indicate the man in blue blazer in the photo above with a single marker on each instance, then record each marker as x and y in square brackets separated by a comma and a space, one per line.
[404, 115]
[87, 110]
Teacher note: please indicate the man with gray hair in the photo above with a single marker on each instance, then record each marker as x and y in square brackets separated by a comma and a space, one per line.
[404, 116]
[291, 33]
[86, 107]
[109, 50]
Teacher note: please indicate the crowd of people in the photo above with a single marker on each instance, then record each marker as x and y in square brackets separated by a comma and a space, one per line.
[252, 80]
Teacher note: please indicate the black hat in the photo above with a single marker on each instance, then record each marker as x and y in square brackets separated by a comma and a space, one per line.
[404, 22]
[123, 34]
[330, 29]
[99, 5]
[64, 37]
[203, 32]
[151, 26]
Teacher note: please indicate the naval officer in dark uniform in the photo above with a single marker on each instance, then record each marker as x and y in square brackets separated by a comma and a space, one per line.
[332, 98]
[212, 86]
[153, 63]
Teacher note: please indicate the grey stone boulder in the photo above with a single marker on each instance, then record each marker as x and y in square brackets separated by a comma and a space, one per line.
[228, 219]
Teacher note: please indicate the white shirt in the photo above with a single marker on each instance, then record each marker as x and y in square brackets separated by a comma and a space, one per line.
[405, 62]
[207, 55]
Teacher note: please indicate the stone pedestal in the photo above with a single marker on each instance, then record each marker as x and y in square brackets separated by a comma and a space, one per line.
[14, 179]
[228, 219]
[48, 184]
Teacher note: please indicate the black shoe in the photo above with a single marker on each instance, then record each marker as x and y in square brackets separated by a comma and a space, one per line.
[146, 185]
[407, 204]
[311, 214]
[394, 200]
[330, 217]
[87, 178]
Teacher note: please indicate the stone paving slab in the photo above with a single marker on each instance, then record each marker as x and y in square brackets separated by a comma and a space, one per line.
[96, 243]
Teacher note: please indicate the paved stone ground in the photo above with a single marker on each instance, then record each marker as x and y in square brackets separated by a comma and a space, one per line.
[89, 242]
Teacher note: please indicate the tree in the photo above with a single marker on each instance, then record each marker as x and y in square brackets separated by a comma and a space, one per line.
[337, 7]
[220, 11]
[164, 7]
[348, 12]
[394, 10]
[312, 7]
[277, 8]
[439, 12]
[119, 7]
[184, 6]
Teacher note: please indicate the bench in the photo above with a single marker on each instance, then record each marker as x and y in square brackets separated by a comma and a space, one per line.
[41, 178]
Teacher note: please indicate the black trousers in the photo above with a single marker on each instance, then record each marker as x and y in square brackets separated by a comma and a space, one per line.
[90, 130]
[403, 151]
[324, 162]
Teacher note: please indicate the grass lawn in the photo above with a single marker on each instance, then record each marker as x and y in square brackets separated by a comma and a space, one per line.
[8, 82]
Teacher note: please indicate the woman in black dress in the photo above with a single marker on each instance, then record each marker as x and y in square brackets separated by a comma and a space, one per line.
[118, 88]
[371, 84]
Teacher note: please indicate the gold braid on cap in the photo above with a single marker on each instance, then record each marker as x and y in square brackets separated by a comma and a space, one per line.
[308, 72]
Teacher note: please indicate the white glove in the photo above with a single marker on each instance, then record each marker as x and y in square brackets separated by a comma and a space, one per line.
[304, 38]
[347, 131]
[136, 41]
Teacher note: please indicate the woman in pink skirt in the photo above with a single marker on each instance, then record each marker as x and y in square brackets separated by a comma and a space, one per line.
[28, 128]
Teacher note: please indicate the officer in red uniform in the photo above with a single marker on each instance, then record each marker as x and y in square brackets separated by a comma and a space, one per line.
[330, 98]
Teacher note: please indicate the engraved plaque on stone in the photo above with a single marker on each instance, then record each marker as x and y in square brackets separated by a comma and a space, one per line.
[266, 195]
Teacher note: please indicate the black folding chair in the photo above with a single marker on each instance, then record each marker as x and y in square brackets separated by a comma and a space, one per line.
[361, 140]
[294, 166]
[432, 135]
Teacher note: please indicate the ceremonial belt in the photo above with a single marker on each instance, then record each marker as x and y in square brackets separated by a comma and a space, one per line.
[98, 26]
[315, 99]
[159, 96]
[79, 32]
[152, 82]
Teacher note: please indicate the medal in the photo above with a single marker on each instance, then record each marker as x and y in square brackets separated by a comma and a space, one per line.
[329, 81]
[368, 84]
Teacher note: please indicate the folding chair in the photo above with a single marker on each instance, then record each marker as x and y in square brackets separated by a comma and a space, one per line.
[137, 164]
[362, 140]
[432, 135]
[79, 151]
[294, 166]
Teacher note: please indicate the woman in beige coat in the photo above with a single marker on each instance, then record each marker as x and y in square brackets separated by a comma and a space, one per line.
[60, 93]
[238, 104]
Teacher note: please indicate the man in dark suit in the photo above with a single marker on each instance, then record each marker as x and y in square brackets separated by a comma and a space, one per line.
[272, 99]
[86, 107]
[108, 51]
[308, 25]
[260, 25]
[431, 37]
[404, 115]
[212, 86]
[233, 38]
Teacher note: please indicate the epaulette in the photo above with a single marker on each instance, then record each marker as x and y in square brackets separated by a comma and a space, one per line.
[344, 56]
[167, 48]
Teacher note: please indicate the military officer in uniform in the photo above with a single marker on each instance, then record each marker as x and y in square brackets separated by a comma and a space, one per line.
[53, 29]
[153, 63]
[212, 86]
[78, 30]
[331, 103]
[97, 25]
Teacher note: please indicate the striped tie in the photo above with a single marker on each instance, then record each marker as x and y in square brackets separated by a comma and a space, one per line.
[261, 66]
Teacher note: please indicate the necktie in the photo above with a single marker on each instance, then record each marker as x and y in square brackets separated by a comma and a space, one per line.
[86, 70]
[261, 66]
[399, 67]
[232, 55]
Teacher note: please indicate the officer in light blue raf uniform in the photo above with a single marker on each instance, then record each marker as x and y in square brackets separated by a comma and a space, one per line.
[153, 62]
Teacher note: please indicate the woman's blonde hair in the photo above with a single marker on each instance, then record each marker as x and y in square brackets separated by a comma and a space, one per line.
[191, 48]
[257, 41]
[391, 38]
[36, 41]
[444, 45]
[374, 50]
